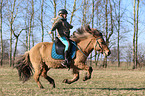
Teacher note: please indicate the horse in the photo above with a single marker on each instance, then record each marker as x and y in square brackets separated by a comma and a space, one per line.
[39, 57]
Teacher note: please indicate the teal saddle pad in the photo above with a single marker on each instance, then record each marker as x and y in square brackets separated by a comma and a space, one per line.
[54, 54]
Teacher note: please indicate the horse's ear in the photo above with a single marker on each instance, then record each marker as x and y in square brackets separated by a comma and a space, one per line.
[87, 28]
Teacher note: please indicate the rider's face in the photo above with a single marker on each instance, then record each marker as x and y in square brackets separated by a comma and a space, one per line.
[64, 15]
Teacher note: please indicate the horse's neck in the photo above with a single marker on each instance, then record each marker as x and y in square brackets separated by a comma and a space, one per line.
[86, 47]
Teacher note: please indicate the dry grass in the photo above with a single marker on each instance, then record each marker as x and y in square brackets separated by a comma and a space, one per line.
[104, 82]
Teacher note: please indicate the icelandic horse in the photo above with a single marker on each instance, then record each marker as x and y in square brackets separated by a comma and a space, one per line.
[39, 57]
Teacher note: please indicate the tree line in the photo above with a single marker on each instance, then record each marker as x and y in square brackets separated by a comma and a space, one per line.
[25, 23]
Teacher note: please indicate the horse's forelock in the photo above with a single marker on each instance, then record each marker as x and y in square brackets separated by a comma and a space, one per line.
[87, 28]
[95, 32]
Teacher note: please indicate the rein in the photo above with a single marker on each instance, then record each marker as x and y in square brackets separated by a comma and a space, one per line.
[79, 49]
[87, 46]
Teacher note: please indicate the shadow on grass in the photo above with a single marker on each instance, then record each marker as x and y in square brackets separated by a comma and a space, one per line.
[107, 88]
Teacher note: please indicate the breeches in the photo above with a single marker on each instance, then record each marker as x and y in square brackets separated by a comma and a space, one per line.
[65, 42]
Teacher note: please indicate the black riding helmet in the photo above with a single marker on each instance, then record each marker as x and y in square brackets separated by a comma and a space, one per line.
[62, 11]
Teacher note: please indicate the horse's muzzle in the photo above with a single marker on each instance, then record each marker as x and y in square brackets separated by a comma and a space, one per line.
[107, 53]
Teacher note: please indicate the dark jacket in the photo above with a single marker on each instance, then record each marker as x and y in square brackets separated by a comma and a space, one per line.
[63, 27]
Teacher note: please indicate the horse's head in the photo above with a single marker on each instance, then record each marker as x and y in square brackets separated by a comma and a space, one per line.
[99, 44]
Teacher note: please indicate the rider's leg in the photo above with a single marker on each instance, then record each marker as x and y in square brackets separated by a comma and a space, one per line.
[66, 51]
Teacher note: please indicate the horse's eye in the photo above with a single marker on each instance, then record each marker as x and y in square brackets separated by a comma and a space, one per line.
[102, 42]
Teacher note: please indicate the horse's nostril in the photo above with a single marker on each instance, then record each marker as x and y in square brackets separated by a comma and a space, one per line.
[109, 53]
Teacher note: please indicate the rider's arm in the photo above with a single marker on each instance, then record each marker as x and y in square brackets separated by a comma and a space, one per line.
[55, 25]
[70, 26]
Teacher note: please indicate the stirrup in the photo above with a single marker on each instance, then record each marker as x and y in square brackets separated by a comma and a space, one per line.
[65, 64]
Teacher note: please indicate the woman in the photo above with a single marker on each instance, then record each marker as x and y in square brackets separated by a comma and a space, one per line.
[63, 32]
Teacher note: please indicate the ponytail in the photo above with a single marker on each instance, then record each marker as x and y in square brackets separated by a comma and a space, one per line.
[58, 16]
[54, 19]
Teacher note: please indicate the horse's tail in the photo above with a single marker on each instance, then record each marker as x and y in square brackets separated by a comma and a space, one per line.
[24, 67]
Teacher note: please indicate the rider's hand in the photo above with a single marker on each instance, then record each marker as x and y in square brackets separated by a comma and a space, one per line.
[50, 32]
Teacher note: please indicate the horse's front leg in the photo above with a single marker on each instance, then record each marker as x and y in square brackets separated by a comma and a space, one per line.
[83, 66]
[88, 76]
[76, 76]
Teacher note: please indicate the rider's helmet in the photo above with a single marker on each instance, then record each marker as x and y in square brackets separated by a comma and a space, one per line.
[62, 11]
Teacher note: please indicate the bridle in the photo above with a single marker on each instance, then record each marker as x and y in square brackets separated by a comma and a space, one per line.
[98, 43]
[88, 45]
[95, 45]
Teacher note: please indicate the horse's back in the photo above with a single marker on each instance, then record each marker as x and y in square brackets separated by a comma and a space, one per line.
[37, 52]
[39, 45]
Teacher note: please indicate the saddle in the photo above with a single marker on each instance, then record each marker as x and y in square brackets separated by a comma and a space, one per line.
[58, 49]
[59, 46]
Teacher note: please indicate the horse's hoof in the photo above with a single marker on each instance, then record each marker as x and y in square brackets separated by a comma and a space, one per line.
[53, 86]
[65, 81]
[85, 78]
[41, 87]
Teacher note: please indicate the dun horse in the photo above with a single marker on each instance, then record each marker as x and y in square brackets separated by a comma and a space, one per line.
[39, 57]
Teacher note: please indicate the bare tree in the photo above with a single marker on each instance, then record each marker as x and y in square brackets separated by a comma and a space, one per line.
[26, 19]
[113, 55]
[136, 45]
[134, 67]
[32, 33]
[11, 22]
[128, 55]
[72, 13]
[106, 29]
[54, 7]
[107, 33]
[84, 12]
[5, 49]
[41, 20]
[16, 43]
[137, 17]
[92, 23]
[135, 35]
[30, 23]
[98, 15]
[65, 4]
[118, 31]
[1, 61]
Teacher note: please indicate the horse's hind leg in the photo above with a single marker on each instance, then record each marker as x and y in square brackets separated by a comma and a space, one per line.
[38, 71]
[44, 74]
[76, 77]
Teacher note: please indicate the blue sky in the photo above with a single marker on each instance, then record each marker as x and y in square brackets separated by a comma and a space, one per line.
[129, 6]
[126, 4]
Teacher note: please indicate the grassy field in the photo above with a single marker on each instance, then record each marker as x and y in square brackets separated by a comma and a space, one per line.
[104, 82]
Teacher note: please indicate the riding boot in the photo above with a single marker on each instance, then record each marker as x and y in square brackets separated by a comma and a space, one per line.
[66, 61]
